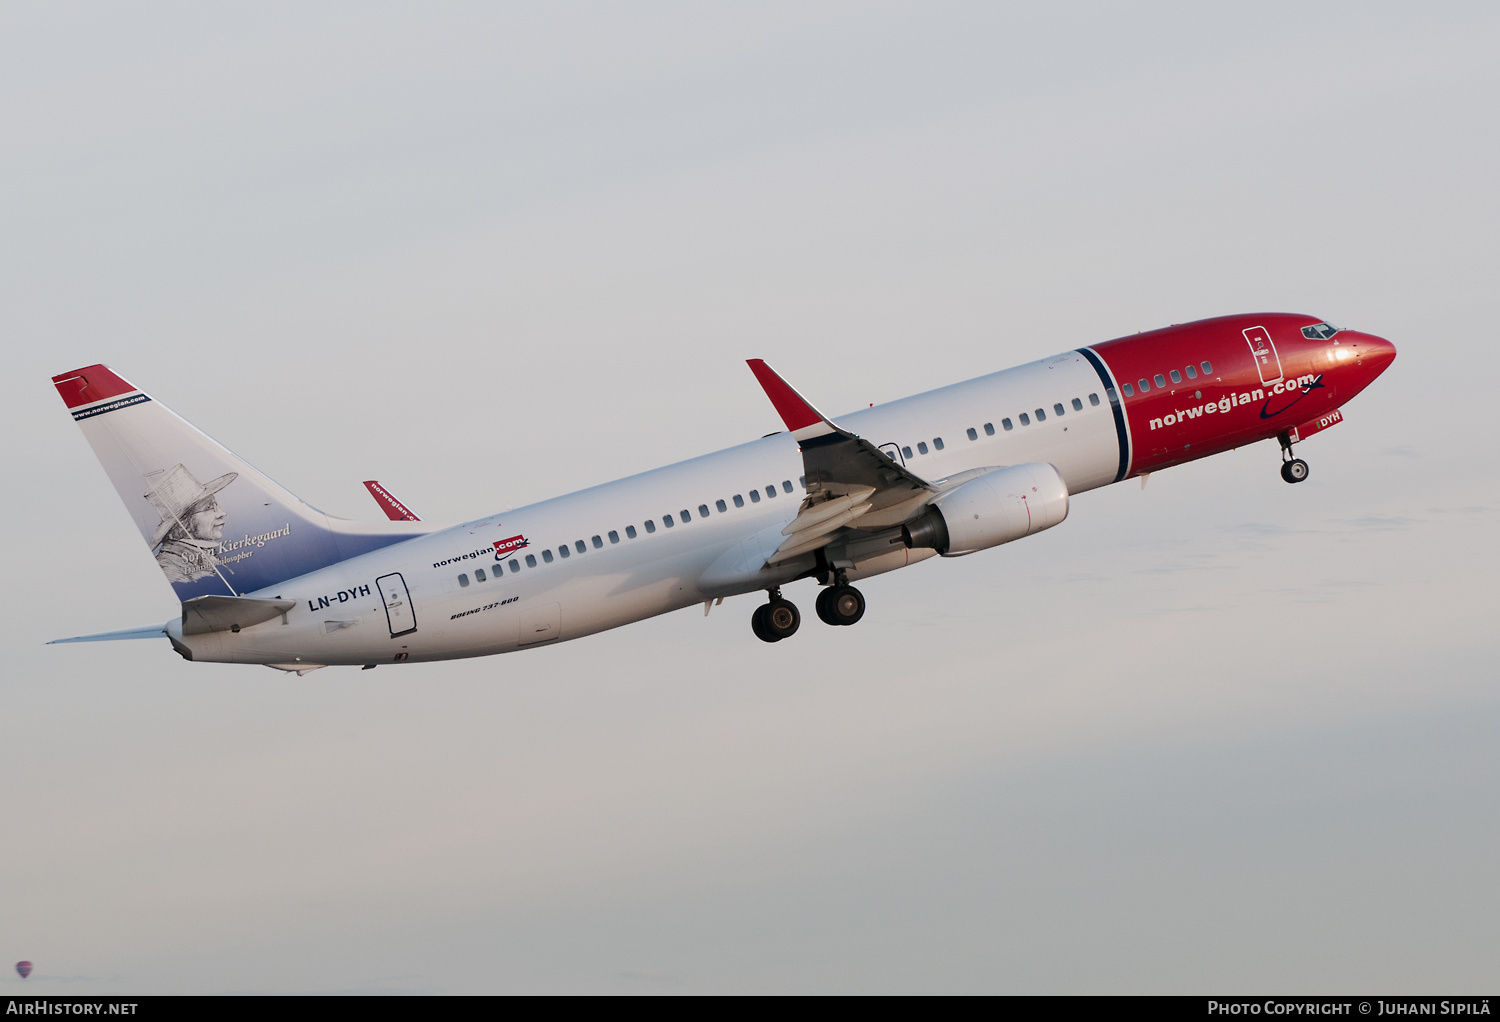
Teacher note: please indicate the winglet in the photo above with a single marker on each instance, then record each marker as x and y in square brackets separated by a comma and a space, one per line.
[801, 418]
[393, 508]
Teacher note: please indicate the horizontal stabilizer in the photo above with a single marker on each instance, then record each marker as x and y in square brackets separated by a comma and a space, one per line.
[148, 632]
[229, 613]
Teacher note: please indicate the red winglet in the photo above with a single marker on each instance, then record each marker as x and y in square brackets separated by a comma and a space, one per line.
[89, 384]
[393, 508]
[790, 405]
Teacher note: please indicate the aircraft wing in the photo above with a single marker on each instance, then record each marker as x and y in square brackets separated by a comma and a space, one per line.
[850, 481]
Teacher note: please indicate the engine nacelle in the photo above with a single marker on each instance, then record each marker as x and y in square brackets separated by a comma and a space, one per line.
[995, 508]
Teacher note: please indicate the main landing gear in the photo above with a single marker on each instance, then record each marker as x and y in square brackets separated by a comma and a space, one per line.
[776, 620]
[839, 604]
[1293, 470]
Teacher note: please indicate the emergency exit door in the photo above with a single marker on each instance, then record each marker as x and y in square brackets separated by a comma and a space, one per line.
[398, 612]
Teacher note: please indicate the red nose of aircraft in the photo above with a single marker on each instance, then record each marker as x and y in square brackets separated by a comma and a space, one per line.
[1372, 355]
[1376, 353]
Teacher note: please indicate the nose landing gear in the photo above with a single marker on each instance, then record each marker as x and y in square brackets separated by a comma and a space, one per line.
[776, 620]
[1293, 470]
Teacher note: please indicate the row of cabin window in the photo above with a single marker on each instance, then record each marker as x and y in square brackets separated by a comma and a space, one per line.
[1145, 385]
[989, 427]
[630, 532]
[1041, 415]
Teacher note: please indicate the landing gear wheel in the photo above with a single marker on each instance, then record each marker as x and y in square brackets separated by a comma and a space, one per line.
[759, 627]
[1294, 471]
[780, 618]
[824, 608]
[841, 605]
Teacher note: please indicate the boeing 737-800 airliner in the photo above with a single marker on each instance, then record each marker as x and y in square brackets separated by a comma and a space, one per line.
[264, 578]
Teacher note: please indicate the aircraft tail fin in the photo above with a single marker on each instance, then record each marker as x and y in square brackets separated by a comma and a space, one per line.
[216, 525]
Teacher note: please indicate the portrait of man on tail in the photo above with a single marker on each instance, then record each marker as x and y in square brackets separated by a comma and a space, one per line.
[192, 523]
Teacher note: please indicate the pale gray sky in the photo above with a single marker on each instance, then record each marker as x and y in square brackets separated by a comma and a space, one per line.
[1222, 734]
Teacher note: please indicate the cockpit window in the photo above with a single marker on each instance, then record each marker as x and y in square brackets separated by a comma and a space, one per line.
[1319, 331]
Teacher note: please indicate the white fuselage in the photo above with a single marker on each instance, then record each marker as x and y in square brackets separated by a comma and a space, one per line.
[341, 614]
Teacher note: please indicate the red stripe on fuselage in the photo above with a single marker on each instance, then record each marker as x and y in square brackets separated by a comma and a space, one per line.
[1243, 398]
[88, 385]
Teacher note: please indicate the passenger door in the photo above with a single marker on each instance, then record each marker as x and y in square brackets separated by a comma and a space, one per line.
[398, 610]
[1263, 350]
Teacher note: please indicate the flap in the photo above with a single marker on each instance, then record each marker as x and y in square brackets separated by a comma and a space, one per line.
[229, 613]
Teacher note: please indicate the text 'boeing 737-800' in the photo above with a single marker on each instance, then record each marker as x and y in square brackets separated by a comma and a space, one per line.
[263, 578]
